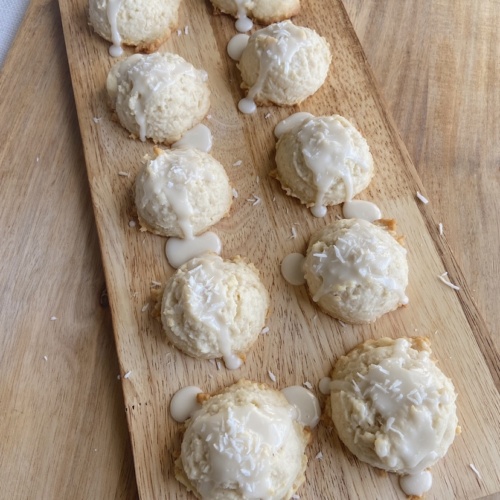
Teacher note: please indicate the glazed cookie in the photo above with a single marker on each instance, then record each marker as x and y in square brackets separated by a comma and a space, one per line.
[282, 64]
[243, 443]
[144, 24]
[158, 96]
[356, 271]
[393, 407]
[214, 308]
[181, 192]
[262, 11]
[322, 161]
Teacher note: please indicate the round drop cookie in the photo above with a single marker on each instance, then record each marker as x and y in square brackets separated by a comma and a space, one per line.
[356, 271]
[393, 407]
[214, 308]
[282, 64]
[323, 161]
[262, 11]
[144, 24]
[243, 443]
[158, 96]
[181, 192]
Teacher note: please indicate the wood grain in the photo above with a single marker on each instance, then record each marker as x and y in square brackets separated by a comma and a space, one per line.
[62, 425]
[153, 377]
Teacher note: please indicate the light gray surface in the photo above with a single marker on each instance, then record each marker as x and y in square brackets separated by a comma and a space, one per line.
[11, 15]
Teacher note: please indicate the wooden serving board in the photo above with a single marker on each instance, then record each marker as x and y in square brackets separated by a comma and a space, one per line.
[302, 343]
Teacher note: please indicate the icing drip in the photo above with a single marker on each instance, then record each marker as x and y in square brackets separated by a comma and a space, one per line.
[326, 147]
[112, 9]
[278, 46]
[356, 256]
[236, 46]
[199, 137]
[243, 22]
[291, 269]
[361, 209]
[416, 484]
[209, 297]
[183, 403]
[305, 403]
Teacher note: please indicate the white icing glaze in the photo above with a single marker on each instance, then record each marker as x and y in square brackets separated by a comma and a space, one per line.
[291, 269]
[210, 299]
[282, 42]
[199, 137]
[183, 403]
[356, 256]
[243, 22]
[324, 385]
[406, 400]
[416, 484]
[241, 442]
[112, 12]
[236, 46]
[326, 147]
[361, 209]
[306, 404]
[150, 74]
[247, 106]
[179, 251]
[291, 122]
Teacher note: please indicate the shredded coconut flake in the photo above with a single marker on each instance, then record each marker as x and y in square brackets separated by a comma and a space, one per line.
[422, 198]
[118, 377]
[53, 318]
[37, 159]
[257, 179]
[476, 472]
[217, 364]
[97, 119]
[132, 223]
[254, 200]
[272, 376]
[440, 226]
[179, 32]
[319, 456]
[265, 330]
[155, 283]
[186, 30]
[235, 193]
[45, 358]
[295, 497]
[237, 163]
[342, 324]
[145, 307]
[123, 174]
[267, 115]
[127, 375]
[308, 385]
[444, 278]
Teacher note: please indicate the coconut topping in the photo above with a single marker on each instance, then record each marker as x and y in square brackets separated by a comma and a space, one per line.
[235, 437]
[357, 255]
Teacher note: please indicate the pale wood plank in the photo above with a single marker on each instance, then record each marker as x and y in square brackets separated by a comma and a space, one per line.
[132, 259]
